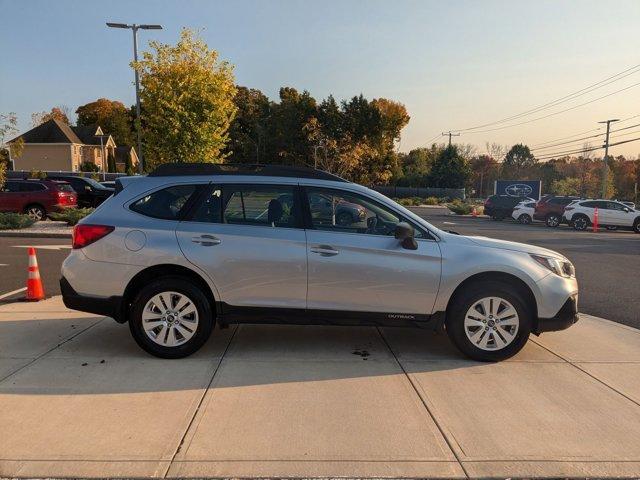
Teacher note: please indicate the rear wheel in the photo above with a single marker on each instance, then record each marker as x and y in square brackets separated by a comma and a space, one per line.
[489, 321]
[171, 318]
[37, 212]
[525, 219]
[552, 220]
[580, 223]
[636, 225]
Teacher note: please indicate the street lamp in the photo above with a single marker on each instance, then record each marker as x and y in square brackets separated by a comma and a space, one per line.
[134, 28]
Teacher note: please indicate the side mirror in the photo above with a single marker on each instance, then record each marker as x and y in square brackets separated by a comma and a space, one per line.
[404, 233]
[626, 210]
[87, 188]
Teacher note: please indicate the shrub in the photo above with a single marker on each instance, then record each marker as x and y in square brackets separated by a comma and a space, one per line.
[39, 174]
[407, 202]
[10, 221]
[431, 201]
[71, 215]
[459, 207]
[89, 167]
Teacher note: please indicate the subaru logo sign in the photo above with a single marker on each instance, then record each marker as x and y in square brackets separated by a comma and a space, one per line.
[518, 190]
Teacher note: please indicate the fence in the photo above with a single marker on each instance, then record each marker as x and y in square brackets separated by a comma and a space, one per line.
[407, 192]
[104, 176]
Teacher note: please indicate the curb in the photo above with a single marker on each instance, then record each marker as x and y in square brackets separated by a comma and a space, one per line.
[35, 234]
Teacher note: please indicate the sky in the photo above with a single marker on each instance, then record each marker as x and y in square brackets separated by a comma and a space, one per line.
[453, 64]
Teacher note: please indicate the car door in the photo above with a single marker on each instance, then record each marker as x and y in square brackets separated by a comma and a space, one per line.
[359, 266]
[249, 239]
[620, 215]
[10, 197]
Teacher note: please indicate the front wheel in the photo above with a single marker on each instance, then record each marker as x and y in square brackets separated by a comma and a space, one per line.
[171, 318]
[524, 219]
[580, 223]
[36, 212]
[552, 220]
[489, 322]
[636, 225]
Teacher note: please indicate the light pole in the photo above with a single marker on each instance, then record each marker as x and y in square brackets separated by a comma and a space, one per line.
[605, 172]
[134, 28]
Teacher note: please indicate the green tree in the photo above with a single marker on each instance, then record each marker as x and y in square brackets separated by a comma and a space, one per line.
[248, 139]
[416, 166]
[89, 167]
[8, 128]
[518, 162]
[566, 186]
[111, 163]
[128, 166]
[187, 96]
[112, 116]
[449, 170]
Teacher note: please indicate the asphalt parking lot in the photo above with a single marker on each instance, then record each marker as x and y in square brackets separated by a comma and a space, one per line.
[606, 262]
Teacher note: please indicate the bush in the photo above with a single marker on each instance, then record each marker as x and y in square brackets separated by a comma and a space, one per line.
[71, 215]
[431, 201]
[459, 207]
[407, 202]
[39, 174]
[10, 221]
[89, 167]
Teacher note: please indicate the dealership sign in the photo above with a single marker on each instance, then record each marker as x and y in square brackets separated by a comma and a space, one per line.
[518, 188]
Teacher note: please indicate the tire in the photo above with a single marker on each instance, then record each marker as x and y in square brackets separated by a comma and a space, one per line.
[636, 225]
[461, 329]
[35, 211]
[552, 220]
[187, 331]
[524, 219]
[580, 223]
[344, 219]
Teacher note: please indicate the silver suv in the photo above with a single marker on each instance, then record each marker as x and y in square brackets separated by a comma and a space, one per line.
[192, 245]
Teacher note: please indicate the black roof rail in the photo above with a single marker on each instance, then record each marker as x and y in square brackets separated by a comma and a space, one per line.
[187, 169]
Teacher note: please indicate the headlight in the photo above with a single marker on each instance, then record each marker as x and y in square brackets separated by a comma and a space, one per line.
[557, 266]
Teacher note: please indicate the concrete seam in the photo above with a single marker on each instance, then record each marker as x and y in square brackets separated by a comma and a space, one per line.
[204, 394]
[416, 390]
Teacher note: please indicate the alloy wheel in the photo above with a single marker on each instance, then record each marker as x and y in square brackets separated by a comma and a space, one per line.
[580, 223]
[491, 323]
[170, 319]
[35, 213]
[553, 221]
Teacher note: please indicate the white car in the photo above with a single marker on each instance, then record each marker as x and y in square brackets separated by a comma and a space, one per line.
[611, 214]
[523, 212]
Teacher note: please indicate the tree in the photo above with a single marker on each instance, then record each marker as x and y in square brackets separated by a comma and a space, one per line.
[128, 166]
[89, 167]
[416, 166]
[111, 163]
[393, 118]
[9, 127]
[482, 168]
[247, 134]
[61, 112]
[449, 170]
[112, 116]
[566, 186]
[518, 161]
[187, 95]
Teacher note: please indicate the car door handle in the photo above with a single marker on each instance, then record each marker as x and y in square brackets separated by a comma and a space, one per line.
[206, 240]
[325, 250]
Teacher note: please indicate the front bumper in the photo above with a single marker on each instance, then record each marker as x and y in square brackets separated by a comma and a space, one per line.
[109, 306]
[566, 316]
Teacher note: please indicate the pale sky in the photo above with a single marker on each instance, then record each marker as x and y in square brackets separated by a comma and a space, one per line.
[453, 64]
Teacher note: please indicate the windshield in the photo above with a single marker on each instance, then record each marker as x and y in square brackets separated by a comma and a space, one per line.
[95, 184]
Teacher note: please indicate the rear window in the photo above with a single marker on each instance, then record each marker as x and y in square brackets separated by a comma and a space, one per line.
[32, 187]
[64, 187]
[167, 204]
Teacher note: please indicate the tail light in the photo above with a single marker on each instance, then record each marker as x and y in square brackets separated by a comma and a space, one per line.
[568, 208]
[84, 235]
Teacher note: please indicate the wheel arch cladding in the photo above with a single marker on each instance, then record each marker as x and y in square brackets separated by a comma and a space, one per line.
[506, 278]
[150, 274]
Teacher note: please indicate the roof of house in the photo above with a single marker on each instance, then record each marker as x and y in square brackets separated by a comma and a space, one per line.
[89, 134]
[51, 131]
[122, 153]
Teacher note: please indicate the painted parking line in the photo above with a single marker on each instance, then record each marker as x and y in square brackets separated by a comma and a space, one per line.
[9, 294]
[44, 247]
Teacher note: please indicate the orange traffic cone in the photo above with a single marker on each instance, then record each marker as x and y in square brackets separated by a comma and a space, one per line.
[595, 219]
[35, 290]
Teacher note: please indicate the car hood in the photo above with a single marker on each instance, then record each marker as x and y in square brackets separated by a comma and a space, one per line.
[514, 246]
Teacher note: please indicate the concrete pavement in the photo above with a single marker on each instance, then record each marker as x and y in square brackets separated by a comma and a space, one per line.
[79, 398]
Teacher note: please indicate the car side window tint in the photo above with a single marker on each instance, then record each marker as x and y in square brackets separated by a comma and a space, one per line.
[340, 211]
[210, 210]
[11, 187]
[615, 206]
[166, 204]
[31, 187]
[267, 206]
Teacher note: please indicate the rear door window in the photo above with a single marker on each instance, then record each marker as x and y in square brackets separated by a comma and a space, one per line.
[31, 187]
[167, 204]
[260, 205]
[11, 187]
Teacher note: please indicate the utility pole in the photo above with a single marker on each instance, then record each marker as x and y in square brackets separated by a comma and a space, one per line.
[449, 134]
[605, 170]
[134, 28]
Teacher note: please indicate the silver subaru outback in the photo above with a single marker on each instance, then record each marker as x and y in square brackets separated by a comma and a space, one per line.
[192, 245]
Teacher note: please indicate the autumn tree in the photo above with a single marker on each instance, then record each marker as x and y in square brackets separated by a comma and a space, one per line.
[8, 128]
[61, 112]
[112, 116]
[187, 95]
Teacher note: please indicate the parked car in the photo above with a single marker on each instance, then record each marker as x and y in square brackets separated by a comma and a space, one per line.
[90, 193]
[631, 205]
[611, 214]
[549, 209]
[36, 198]
[190, 245]
[111, 184]
[499, 207]
[523, 212]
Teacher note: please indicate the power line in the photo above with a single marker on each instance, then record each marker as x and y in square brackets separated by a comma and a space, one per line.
[566, 98]
[586, 138]
[581, 150]
[555, 113]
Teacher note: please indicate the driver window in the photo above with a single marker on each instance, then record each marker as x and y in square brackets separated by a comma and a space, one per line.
[341, 211]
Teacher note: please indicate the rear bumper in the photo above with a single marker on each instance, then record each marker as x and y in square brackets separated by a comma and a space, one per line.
[566, 316]
[109, 306]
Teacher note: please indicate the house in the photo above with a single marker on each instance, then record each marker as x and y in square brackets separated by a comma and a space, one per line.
[56, 146]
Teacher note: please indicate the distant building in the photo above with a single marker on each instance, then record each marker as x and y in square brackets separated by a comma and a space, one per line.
[55, 146]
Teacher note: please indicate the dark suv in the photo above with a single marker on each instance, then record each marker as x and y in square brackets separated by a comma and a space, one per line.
[90, 193]
[36, 198]
[499, 207]
[549, 209]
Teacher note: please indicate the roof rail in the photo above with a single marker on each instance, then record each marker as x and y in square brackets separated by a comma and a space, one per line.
[187, 169]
